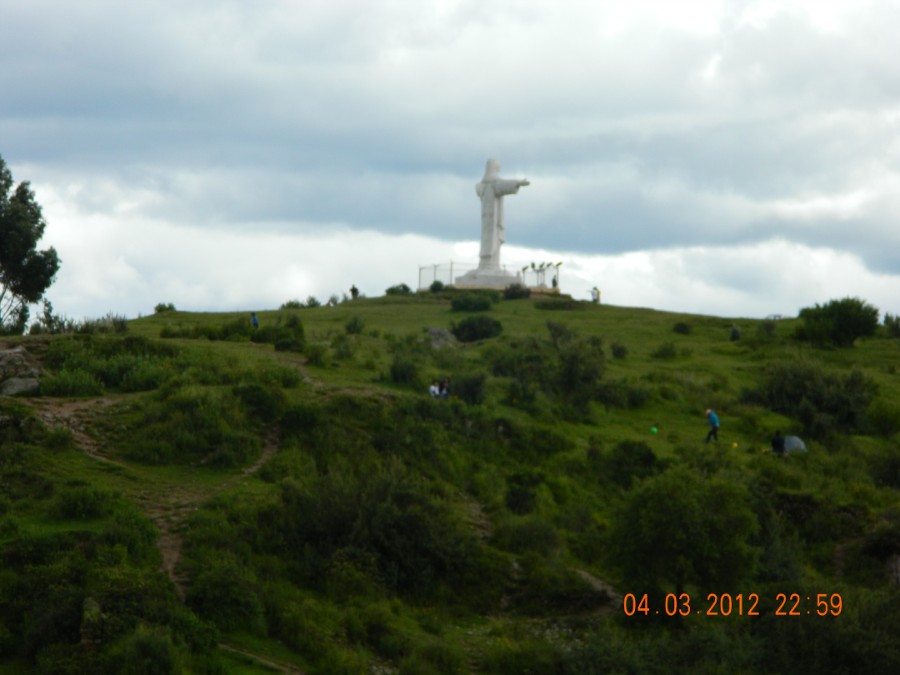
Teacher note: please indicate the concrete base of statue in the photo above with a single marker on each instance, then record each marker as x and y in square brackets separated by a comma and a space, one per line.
[487, 278]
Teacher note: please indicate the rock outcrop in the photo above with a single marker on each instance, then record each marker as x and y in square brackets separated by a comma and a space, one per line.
[19, 372]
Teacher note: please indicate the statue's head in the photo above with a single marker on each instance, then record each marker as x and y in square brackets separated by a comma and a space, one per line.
[491, 170]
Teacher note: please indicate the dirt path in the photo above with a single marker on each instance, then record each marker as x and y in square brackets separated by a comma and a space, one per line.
[168, 506]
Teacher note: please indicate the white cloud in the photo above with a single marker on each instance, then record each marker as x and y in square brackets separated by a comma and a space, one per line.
[659, 137]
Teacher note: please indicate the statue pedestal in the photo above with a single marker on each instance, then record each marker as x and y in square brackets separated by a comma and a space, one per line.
[487, 278]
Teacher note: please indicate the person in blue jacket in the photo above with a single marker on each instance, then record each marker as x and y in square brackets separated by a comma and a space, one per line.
[713, 425]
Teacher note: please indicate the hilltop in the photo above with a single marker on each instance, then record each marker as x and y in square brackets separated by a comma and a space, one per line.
[193, 495]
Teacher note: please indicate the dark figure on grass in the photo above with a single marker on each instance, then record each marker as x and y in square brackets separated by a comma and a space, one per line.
[254, 321]
[713, 420]
[778, 444]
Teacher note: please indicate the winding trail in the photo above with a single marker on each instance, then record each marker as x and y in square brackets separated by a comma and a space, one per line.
[168, 505]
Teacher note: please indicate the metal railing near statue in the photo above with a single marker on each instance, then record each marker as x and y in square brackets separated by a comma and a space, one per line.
[537, 276]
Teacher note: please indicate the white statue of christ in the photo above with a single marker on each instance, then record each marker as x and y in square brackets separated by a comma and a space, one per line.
[491, 190]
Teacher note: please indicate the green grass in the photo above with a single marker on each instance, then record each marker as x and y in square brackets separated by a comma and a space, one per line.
[498, 503]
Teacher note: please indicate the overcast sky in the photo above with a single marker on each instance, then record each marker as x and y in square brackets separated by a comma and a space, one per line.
[732, 157]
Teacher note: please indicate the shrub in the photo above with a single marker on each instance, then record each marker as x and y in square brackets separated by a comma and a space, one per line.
[354, 325]
[71, 382]
[892, 325]
[682, 328]
[766, 328]
[83, 503]
[148, 650]
[399, 289]
[884, 418]
[622, 394]
[434, 657]
[678, 528]
[316, 354]
[470, 302]
[264, 403]
[839, 322]
[619, 351]
[312, 302]
[404, 370]
[629, 461]
[802, 389]
[436, 286]
[521, 497]
[528, 535]
[224, 591]
[665, 351]
[469, 388]
[292, 304]
[344, 347]
[516, 292]
[164, 307]
[475, 328]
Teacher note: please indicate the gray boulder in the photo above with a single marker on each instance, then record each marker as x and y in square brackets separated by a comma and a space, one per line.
[19, 372]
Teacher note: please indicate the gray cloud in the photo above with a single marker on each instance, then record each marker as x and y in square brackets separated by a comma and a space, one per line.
[642, 127]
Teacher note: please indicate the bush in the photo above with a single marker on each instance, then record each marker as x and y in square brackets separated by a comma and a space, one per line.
[83, 503]
[470, 388]
[224, 592]
[619, 351]
[316, 354]
[474, 328]
[470, 302]
[264, 403]
[516, 292]
[164, 307]
[884, 418]
[149, 650]
[399, 289]
[838, 323]
[436, 286]
[354, 325]
[802, 389]
[292, 304]
[528, 535]
[404, 370]
[665, 351]
[892, 325]
[74, 382]
[622, 394]
[630, 461]
[682, 328]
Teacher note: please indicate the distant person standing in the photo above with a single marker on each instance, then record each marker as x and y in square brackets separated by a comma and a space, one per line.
[778, 444]
[434, 389]
[354, 292]
[713, 420]
[254, 321]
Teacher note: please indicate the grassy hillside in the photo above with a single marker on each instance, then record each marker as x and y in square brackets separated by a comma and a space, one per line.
[192, 495]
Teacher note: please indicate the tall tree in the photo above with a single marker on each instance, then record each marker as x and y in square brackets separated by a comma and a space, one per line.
[25, 272]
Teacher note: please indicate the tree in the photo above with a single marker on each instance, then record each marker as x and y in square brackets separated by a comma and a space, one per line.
[839, 322]
[678, 528]
[25, 272]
